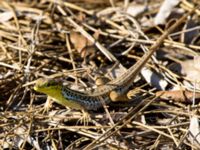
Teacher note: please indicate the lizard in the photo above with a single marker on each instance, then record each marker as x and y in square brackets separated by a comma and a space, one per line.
[91, 100]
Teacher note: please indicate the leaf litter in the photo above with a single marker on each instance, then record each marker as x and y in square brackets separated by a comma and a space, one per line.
[81, 40]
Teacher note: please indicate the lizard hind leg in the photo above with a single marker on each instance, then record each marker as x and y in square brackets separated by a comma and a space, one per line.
[115, 96]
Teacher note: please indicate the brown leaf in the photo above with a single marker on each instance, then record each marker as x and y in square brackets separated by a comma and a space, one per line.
[96, 35]
[81, 16]
[189, 68]
[88, 51]
[178, 95]
[78, 41]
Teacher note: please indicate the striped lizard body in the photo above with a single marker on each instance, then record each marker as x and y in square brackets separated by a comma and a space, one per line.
[69, 97]
[90, 100]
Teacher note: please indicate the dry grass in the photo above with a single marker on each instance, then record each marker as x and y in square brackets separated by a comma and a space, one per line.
[36, 41]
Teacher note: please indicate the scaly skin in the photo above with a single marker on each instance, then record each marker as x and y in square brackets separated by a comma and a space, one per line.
[68, 97]
[54, 91]
[90, 100]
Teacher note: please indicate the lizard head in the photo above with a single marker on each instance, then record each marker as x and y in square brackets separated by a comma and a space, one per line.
[47, 86]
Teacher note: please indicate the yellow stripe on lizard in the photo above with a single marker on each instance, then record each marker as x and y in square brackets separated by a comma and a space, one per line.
[54, 90]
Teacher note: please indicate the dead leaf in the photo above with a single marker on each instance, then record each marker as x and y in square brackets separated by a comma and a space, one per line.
[189, 68]
[178, 95]
[5, 16]
[154, 79]
[165, 11]
[194, 131]
[135, 9]
[88, 51]
[81, 16]
[96, 35]
[78, 40]
[82, 44]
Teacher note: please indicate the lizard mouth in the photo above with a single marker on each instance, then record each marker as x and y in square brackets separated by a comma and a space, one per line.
[40, 83]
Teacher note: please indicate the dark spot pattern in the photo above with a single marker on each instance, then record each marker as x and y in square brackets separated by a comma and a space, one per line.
[87, 101]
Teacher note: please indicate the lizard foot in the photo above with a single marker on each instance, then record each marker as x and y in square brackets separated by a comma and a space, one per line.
[85, 118]
[47, 105]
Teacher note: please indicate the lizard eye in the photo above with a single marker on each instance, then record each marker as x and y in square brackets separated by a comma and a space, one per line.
[50, 83]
